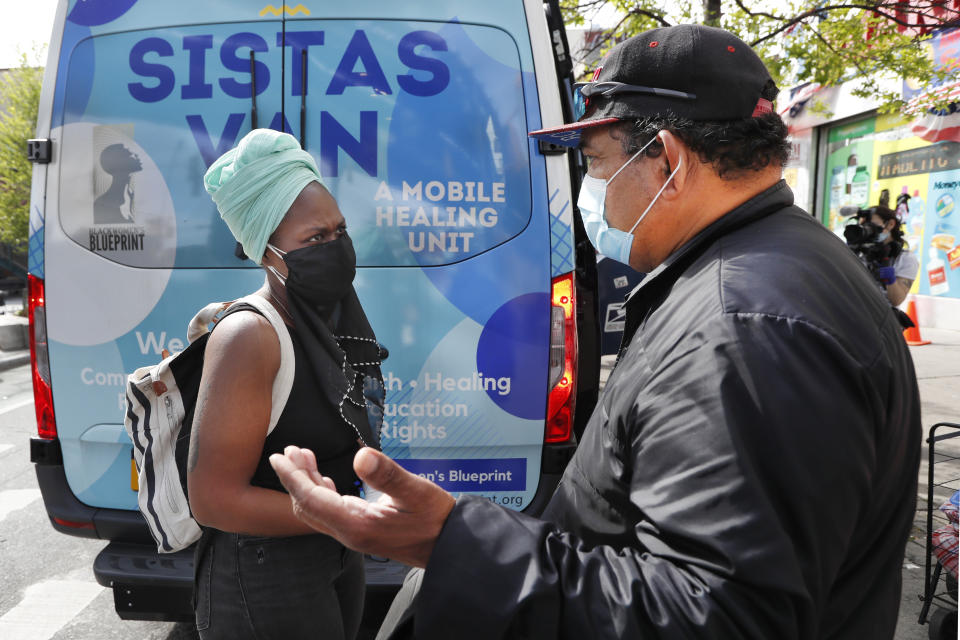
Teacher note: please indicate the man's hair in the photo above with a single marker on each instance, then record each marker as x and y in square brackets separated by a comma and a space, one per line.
[734, 148]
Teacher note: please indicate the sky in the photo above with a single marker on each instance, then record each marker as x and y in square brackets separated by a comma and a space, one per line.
[25, 23]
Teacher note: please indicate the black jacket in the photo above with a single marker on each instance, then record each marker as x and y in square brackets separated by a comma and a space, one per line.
[750, 469]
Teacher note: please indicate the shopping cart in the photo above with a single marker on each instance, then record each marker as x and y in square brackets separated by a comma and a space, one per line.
[940, 575]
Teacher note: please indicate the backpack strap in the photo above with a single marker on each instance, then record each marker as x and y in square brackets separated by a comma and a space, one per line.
[283, 383]
[200, 323]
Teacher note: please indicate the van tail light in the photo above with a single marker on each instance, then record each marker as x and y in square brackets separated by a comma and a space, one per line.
[40, 359]
[74, 525]
[563, 360]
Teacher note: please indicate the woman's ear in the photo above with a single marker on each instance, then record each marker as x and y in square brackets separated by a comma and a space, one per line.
[265, 260]
[271, 259]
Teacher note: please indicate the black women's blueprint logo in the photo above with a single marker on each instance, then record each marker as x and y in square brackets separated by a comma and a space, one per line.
[114, 208]
[115, 205]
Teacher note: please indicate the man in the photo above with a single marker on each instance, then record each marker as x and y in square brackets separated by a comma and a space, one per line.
[750, 469]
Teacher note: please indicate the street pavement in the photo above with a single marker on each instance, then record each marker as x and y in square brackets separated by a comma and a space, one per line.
[48, 591]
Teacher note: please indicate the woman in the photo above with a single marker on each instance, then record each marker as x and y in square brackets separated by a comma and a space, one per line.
[902, 261]
[261, 572]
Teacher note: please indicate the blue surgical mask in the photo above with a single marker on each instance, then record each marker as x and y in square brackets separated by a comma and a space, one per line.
[882, 236]
[611, 242]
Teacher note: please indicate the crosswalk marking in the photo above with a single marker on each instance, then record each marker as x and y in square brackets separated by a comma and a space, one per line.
[46, 607]
[16, 499]
[5, 447]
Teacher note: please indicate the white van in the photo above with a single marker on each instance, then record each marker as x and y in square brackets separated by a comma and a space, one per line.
[472, 266]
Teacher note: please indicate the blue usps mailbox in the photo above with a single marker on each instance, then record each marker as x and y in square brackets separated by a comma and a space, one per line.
[615, 281]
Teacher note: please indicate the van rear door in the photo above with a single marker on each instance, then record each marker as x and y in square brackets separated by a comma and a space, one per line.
[470, 256]
[419, 123]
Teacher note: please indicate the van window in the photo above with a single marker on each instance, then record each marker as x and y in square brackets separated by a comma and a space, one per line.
[149, 110]
[454, 177]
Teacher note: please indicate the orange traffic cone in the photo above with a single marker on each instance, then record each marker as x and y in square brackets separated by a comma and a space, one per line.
[912, 335]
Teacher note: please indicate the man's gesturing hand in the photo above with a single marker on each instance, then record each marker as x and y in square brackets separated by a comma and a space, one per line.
[403, 524]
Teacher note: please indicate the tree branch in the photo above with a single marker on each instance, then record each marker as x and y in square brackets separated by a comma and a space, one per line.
[762, 14]
[789, 22]
[829, 46]
[602, 41]
[650, 14]
[590, 3]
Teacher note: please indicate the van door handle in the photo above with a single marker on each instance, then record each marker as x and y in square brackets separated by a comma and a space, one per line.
[551, 149]
[253, 91]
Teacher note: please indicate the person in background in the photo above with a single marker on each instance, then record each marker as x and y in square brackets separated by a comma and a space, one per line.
[260, 571]
[750, 469]
[885, 198]
[898, 277]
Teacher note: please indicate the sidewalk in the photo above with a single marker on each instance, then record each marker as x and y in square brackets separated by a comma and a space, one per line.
[14, 340]
[938, 375]
[10, 359]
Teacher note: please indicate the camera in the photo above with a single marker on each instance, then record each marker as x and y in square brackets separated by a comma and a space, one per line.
[863, 238]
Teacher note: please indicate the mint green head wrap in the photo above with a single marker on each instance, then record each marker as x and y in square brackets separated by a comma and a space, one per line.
[255, 183]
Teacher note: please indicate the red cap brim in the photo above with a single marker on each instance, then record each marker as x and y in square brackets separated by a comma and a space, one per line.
[568, 135]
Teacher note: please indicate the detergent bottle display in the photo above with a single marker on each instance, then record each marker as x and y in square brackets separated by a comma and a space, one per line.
[917, 211]
[937, 274]
[836, 193]
[912, 218]
[849, 173]
[902, 206]
[860, 187]
[850, 148]
[941, 236]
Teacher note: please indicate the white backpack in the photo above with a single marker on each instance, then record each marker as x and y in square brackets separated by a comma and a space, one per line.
[160, 404]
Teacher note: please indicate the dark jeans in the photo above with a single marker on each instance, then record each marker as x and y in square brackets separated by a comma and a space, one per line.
[277, 588]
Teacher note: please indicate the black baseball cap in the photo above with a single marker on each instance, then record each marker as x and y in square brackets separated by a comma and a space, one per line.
[690, 70]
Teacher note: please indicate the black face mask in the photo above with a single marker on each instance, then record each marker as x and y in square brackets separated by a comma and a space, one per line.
[321, 299]
[321, 274]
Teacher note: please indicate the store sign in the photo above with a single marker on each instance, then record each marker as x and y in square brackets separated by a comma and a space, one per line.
[853, 131]
[938, 157]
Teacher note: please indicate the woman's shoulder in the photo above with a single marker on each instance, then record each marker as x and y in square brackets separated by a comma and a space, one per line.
[245, 336]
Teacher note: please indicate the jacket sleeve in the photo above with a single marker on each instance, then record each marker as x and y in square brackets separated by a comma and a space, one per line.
[746, 459]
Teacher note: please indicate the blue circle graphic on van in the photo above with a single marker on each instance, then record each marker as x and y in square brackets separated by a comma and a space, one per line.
[512, 355]
[91, 13]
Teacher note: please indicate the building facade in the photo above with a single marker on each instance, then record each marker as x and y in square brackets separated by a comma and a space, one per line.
[856, 157]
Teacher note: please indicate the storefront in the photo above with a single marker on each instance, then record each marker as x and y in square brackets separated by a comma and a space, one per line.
[857, 158]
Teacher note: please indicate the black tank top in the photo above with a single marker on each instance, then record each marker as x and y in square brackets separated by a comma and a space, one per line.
[334, 445]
